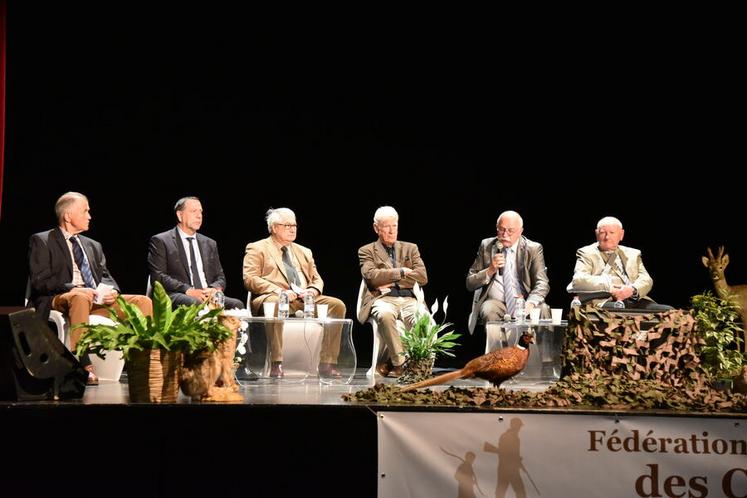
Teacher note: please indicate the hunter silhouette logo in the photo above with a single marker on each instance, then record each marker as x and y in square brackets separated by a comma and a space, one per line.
[509, 462]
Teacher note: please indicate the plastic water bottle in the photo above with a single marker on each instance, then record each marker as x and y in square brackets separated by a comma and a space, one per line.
[283, 305]
[618, 304]
[308, 305]
[219, 299]
[576, 303]
[519, 310]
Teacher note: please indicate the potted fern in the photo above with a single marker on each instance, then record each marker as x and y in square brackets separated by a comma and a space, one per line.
[422, 344]
[717, 323]
[153, 346]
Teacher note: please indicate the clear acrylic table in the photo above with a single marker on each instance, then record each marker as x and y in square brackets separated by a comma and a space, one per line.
[543, 365]
[304, 341]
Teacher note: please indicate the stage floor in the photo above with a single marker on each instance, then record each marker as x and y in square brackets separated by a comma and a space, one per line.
[283, 392]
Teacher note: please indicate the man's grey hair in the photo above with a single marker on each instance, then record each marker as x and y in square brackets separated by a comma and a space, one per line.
[179, 206]
[276, 216]
[385, 212]
[609, 220]
[513, 214]
[64, 203]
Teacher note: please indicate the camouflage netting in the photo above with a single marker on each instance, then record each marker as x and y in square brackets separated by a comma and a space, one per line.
[634, 347]
[608, 363]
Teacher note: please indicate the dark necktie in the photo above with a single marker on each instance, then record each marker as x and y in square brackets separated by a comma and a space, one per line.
[290, 270]
[80, 260]
[196, 282]
[390, 251]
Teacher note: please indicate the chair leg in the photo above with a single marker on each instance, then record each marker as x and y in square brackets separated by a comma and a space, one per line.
[375, 353]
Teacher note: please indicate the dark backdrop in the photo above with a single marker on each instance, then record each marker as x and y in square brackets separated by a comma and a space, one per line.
[450, 123]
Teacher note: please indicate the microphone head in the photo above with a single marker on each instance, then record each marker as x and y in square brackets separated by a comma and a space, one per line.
[299, 314]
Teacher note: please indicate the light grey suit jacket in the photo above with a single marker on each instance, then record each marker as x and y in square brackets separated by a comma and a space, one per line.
[531, 271]
[589, 274]
[377, 270]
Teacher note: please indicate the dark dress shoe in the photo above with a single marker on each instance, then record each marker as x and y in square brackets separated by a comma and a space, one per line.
[329, 371]
[276, 370]
[397, 371]
[383, 368]
[92, 379]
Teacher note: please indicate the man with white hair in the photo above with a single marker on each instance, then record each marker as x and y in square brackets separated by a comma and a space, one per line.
[391, 268]
[507, 266]
[607, 273]
[277, 264]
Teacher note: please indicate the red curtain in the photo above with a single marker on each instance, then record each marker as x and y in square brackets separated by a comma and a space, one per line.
[2, 98]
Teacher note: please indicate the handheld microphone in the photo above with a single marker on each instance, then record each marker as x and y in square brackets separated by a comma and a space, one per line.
[500, 270]
[499, 246]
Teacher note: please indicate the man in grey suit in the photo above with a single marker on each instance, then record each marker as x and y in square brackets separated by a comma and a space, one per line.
[607, 274]
[187, 263]
[390, 268]
[490, 275]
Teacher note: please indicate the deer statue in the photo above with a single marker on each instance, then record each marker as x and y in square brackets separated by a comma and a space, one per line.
[737, 293]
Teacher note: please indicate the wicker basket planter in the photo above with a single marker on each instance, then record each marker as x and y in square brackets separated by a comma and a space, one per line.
[153, 376]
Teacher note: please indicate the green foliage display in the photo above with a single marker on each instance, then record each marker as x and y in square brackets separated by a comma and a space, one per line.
[717, 324]
[183, 329]
[422, 341]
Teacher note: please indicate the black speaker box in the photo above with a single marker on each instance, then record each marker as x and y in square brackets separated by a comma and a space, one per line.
[35, 364]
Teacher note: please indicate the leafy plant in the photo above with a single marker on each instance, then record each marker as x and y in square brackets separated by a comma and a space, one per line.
[422, 341]
[716, 322]
[184, 329]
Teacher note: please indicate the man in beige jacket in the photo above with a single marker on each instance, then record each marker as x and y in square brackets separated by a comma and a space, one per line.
[277, 264]
[608, 274]
[391, 269]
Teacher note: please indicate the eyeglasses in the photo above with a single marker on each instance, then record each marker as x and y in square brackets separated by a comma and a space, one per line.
[287, 225]
[509, 231]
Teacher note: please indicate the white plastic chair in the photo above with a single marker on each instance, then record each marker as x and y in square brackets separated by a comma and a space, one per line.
[302, 344]
[379, 353]
[108, 369]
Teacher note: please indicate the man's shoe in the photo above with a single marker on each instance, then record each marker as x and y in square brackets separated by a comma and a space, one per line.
[276, 370]
[383, 368]
[397, 371]
[92, 379]
[329, 371]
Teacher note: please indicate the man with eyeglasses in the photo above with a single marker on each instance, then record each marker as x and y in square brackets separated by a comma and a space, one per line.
[507, 267]
[610, 275]
[277, 264]
[391, 268]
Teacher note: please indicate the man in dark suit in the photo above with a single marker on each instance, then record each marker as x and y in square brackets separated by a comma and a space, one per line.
[186, 262]
[492, 272]
[391, 268]
[66, 268]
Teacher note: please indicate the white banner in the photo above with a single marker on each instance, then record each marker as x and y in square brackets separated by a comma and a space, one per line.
[461, 455]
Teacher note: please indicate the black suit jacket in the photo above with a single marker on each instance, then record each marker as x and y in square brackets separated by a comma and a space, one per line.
[168, 262]
[51, 267]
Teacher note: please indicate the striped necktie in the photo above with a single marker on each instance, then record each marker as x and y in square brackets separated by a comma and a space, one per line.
[621, 270]
[82, 262]
[509, 281]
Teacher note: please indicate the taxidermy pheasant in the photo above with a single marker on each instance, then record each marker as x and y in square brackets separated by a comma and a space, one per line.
[496, 367]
